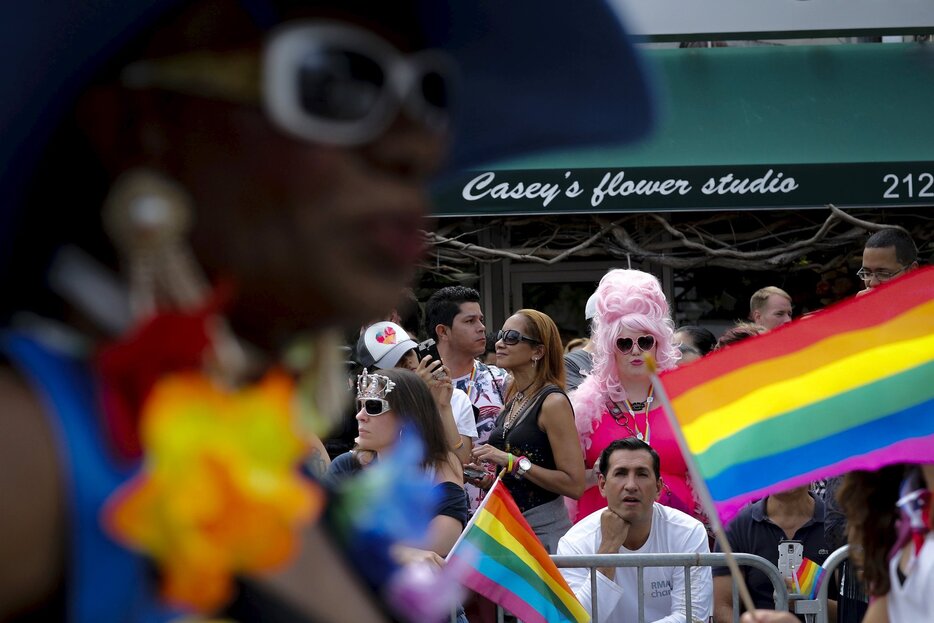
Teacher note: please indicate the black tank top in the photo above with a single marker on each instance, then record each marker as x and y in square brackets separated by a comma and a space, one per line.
[527, 439]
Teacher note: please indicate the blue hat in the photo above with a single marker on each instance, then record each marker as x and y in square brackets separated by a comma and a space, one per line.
[536, 75]
[539, 75]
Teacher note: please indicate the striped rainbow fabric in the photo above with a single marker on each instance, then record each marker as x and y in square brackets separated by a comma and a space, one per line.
[807, 576]
[507, 563]
[851, 387]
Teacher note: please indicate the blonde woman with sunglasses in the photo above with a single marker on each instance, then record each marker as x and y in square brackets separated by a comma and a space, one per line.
[534, 437]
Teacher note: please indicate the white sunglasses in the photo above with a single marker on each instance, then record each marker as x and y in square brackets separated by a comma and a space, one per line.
[331, 82]
[322, 81]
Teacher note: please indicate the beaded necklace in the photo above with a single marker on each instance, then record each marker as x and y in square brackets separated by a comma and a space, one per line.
[632, 407]
[515, 409]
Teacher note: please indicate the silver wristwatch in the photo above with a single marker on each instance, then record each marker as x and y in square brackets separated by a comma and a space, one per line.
[523, 466]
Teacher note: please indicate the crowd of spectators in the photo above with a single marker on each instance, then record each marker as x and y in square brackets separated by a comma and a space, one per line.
[260, 172]
[587, 451]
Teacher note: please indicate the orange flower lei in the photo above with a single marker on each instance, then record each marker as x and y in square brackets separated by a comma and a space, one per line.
[219, 492]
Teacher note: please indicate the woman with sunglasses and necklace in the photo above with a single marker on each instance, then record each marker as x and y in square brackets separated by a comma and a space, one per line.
[632, 321]
[388, 401]
[534, 437]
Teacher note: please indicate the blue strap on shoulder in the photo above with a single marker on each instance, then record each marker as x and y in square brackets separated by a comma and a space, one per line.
[105, 583]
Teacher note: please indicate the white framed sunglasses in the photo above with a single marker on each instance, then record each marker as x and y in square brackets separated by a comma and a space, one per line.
[372, 390]
[331, 82]
[322, 81]
[373, 406]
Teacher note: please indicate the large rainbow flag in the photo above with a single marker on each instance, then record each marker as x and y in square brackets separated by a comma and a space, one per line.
[506, 563]
[851, 387]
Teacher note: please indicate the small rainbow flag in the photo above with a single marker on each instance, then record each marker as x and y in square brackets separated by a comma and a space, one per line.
[506, 563]
[851, 387]
[807, 577]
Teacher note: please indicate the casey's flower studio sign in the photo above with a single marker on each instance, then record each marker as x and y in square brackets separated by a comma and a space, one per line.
[617, 185]
[685, 188]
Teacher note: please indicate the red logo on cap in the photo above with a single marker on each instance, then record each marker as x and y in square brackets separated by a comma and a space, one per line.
[388, 336]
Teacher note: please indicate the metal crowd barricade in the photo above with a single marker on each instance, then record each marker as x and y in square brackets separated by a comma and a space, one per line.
[641, 561]
[815, 610]
[830, 565]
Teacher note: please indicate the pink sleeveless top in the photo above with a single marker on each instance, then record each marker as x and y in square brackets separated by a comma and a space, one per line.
[677, 491]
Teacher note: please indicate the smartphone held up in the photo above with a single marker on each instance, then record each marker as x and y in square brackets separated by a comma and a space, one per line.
[428, 347]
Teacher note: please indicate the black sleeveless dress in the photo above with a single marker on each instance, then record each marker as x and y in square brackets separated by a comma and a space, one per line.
[525, 438]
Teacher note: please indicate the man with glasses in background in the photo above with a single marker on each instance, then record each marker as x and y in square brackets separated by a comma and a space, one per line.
[889, 253]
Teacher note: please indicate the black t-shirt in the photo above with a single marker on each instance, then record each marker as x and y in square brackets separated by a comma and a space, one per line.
[452, 500]
[751, 532]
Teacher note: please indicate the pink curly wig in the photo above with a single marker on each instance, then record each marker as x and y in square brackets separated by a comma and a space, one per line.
[626, 300]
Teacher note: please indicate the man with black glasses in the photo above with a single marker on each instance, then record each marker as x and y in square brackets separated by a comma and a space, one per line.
[889, 253]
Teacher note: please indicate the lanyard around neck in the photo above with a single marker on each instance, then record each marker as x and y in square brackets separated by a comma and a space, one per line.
[616, 413]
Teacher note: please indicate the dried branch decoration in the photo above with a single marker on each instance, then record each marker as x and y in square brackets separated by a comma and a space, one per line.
[735, 240]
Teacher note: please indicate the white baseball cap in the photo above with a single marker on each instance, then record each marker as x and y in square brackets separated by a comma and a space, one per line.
[382, 345]
[590, 309]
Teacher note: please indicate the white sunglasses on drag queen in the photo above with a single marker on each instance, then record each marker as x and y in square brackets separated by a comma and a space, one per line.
[332, 82]
[321, 81]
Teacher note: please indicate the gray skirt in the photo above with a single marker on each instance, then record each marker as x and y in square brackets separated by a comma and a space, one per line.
[549, 521]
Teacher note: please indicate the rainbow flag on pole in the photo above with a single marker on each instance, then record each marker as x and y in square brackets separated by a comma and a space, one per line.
[507, 563]
[807, 577]
[851, 387]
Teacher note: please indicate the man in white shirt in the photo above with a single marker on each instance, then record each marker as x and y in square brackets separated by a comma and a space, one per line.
[634, 523]
[453, 318]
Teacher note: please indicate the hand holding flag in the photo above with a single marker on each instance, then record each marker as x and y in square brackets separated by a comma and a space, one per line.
[807, 578]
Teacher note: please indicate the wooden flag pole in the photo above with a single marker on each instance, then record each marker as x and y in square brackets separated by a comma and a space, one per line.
[700, 486]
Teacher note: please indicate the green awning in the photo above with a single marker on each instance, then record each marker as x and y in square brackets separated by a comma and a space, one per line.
[745, 128]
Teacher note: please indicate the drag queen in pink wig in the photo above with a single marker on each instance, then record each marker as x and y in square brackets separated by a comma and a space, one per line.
[616, 401]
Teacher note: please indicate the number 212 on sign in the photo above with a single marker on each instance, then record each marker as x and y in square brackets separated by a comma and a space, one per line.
[924, 182]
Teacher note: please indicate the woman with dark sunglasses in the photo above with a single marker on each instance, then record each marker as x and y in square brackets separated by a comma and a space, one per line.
[632, 322]
[534, 437]
[387, 402]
